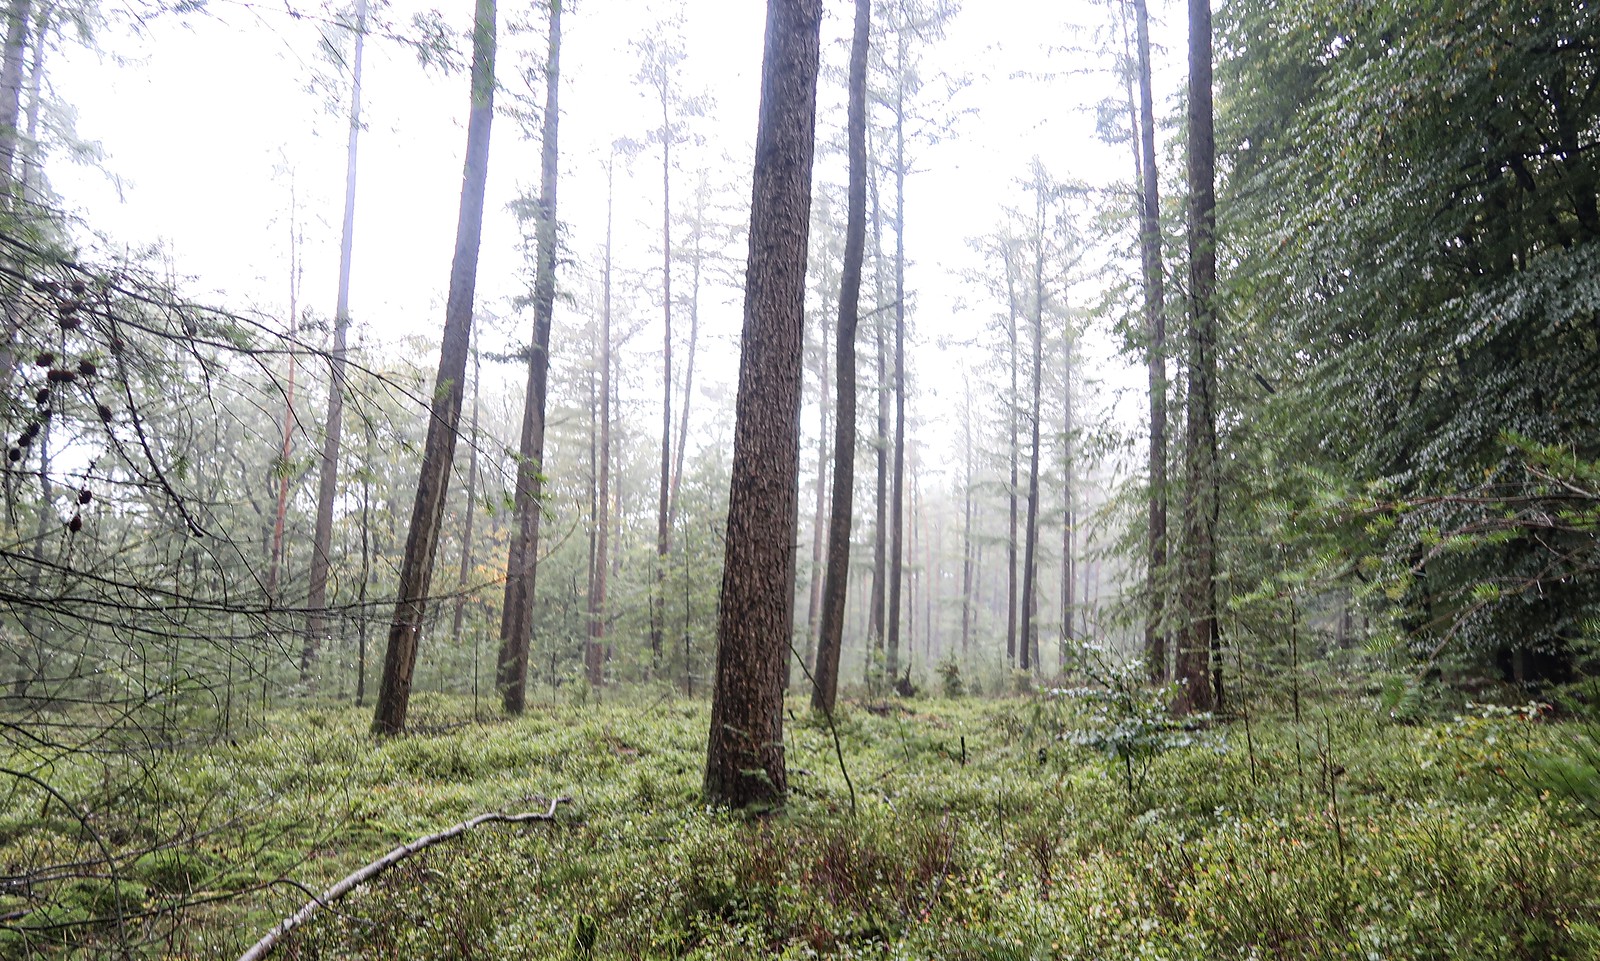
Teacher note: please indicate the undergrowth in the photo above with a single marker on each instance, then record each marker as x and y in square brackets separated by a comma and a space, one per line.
[986, 830]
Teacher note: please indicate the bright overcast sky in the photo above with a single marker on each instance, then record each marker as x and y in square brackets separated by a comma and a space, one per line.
[204, 118]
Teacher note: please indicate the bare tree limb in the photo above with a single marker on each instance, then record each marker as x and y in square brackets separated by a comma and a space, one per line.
[264, 947]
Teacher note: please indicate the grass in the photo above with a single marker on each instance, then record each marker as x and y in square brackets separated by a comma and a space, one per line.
[984, 832]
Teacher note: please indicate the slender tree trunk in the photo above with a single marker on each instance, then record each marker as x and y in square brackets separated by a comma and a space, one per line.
[32, 172]
[897, 494]
[280, 516]
[522, 565]
[1014, 403]
[1199, 562]
[658, 599]
[594, 648]
[967, 559]
[819, 534]
[830, 640]
[1069, 520]
[880, 529]
[433, 482]
[18, 13]
[464, 576]
[695, 271]
[1155, 638]
[1029, 638]
[333, 430]
[745, 754]
[363, 615]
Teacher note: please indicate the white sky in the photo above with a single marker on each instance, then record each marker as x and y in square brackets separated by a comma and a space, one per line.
[202, 118]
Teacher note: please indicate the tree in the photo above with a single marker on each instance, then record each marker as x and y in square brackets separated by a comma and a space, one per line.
[522, 563]
[1195, 669]
[1155, 639]
[422, 536]
[328, 466]
[744, 753]
[1029, 638]
[842, 501]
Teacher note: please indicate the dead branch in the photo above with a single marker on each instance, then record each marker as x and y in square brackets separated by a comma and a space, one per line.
[264, 947]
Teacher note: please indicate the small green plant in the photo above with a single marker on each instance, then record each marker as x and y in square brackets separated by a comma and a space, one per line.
[1127, 719]
[950, 678]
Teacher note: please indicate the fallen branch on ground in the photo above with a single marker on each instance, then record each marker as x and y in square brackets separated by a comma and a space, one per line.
[264, 947]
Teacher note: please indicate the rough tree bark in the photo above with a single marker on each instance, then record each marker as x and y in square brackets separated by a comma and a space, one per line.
[333, 430]
[1199, 560]
[825, 692]
[438, 452]
[744, 753]
[522, 562]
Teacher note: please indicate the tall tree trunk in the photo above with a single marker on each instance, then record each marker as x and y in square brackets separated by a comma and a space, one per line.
[897, 494]
[824, 693]
[1155, 638]
[1029, 638]
[594, 647]
[522, 563]
[695, 270]
[880, 527]
[1199, 564]
[1013, 403]
[745, 754]
[363, 615]
[281, 514]
[658, 600]
[464, 575]
[18, 13]
[819, 518]
[333, 430]
[967, 558]
[438, 452]
[1069, 520]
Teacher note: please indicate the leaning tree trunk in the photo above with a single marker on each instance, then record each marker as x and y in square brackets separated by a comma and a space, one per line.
[328, 476]
[522, 563]
[438, 451]
[826, 677]
[1199, 567]
[744, 754]
[1155, 639]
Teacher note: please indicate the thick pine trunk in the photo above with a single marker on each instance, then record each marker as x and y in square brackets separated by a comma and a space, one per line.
[438, 452]
[1199, 566]
[333, 431]
[745, 754]
[825, 691]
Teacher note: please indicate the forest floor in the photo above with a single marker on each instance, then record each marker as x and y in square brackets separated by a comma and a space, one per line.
[982, 829]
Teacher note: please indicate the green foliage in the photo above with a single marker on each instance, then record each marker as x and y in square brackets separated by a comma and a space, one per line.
[1126, 719]
[1336, 840]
